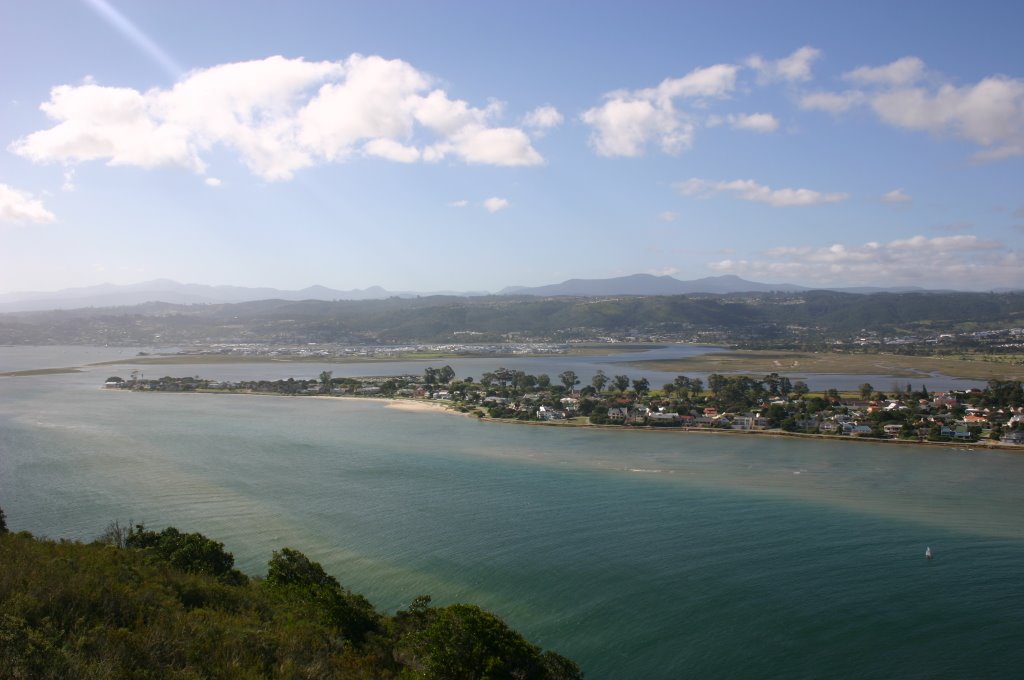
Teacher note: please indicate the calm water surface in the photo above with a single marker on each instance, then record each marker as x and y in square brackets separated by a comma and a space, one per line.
[584, 366]
[642, 555]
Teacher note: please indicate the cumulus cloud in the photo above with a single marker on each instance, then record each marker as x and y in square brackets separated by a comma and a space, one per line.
[794, 68]
[755, 122]
[900, 72]
[895, 196]
[19, 206]
[543, 118]
[832, 102]
[629, 121]
[391, 150]
[461, 203]
[212, 182]
[494, 204]
[749, 190]
[989, 113]
[962, 261]
[280, 115]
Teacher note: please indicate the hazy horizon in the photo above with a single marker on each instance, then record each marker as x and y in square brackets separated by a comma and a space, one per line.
[474, 147]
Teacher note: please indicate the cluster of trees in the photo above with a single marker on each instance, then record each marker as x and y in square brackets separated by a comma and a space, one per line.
[727, 393]
[142, 603]
[783, 403]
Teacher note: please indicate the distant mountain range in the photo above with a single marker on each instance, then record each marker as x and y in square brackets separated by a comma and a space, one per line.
[163, 290]
[648, 284]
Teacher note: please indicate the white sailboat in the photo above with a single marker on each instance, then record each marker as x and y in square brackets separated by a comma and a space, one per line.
[928, 553]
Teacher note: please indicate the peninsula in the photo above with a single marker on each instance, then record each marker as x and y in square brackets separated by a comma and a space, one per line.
[770, 404]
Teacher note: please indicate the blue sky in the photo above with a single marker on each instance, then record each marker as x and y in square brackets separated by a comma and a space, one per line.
[431, 146]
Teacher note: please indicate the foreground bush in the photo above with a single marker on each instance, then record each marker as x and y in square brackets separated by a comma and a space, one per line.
[170, 605]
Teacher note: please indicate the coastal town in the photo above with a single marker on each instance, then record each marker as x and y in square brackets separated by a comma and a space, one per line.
[771, 404]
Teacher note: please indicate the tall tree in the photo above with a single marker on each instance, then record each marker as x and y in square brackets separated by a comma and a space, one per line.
[599, 380]
[785, 386]
[641, 386]
[621, 382]
[716, 383]
[325, 381]
[569, 379]
[865, 390]
[696, 387]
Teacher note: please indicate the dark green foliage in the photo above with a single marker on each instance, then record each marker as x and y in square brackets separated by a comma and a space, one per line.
[291, 568]
[3, 522]
[70, 610]
[296, 576]
[192, 552]
[464, 642]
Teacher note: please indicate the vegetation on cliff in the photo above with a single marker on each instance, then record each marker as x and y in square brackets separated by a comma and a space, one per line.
[145, 604]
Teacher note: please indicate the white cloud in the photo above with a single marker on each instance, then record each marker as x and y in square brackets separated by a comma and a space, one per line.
[989, 113]
[494, 204]
[903, 71]
[462, 203]
[212, 182]
[755, 122]
[491, 146]
[712, 81]
[20, 206]
[832, 102]
[962, 261]
[114, 123]
[543, 118]
[668, 216]
[279, 115]
[391, 150]
[624, 127]
[749, 190]
[895, 196]
[69, 180]
[794, 68]
[628, 121]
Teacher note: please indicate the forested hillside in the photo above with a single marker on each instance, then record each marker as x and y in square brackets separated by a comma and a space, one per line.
[768, 316]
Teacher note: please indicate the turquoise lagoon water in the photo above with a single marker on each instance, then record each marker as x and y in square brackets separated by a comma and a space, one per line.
[641, 555]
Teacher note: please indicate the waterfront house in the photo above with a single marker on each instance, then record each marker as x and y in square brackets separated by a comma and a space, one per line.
[743, 422]
[1013, 437]
[617, 415]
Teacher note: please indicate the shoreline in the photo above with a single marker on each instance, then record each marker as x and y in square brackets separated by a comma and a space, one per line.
[425, 406]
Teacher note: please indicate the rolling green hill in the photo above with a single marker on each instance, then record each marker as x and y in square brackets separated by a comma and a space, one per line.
[763, 316]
